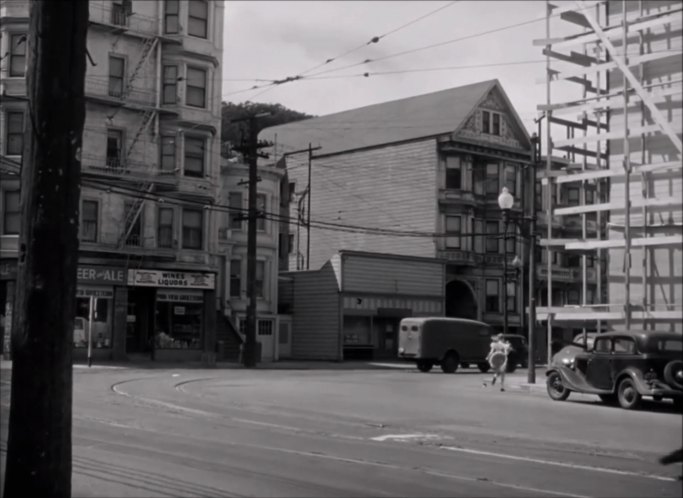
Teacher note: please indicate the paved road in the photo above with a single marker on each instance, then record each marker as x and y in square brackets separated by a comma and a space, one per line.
[339, 433]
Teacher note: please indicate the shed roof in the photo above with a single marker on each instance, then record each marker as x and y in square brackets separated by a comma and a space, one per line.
[411, 118]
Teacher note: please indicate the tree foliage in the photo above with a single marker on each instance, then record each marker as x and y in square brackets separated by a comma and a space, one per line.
[233, 132]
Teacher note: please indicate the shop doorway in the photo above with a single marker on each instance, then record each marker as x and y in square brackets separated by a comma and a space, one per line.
[140, 322]
[284, 338]
[386, 330]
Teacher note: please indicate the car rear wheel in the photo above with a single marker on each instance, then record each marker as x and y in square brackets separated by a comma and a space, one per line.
[556, 389]
[628, 395]
[424, 365]
[450, 363]
[484, 366]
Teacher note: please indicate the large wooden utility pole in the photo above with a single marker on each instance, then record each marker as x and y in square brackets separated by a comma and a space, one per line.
[39, 441]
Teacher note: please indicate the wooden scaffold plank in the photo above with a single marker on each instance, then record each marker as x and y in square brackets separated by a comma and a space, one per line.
[617, 205]
[658, 241]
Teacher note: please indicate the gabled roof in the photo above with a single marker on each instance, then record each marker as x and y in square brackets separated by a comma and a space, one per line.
[421, 116]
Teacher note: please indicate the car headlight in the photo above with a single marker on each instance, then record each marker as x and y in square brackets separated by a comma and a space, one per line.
[401, 350]
[568, 361]
[650, 375]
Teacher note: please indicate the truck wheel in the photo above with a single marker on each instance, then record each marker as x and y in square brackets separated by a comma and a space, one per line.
[450, 363]
[484, 366]
[424, 365]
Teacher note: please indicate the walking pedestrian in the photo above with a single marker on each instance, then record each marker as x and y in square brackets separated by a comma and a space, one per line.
[498, 359]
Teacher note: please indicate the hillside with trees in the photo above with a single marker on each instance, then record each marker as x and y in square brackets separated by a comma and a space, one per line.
[231, 133]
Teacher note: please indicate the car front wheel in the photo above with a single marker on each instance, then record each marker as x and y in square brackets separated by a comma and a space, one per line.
[556, 389]
[628, 395]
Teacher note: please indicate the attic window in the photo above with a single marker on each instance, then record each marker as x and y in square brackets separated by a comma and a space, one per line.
[490, 122]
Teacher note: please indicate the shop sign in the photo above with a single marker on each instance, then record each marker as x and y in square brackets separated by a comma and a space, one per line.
[177, 279]
[8, 270]
[99, 293]
[101, 275]
[177, 297]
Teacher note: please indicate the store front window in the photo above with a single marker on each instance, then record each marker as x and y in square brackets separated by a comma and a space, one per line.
[179, 320]
[101, 303]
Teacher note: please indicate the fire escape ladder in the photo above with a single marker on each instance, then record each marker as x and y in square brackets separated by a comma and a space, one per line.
[133, 213]
[146, 119]
[147, 48]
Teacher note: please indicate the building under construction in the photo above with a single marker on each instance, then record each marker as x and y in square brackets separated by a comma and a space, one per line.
[613, 112]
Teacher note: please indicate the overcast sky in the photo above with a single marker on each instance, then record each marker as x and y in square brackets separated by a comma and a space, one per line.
[273, 40]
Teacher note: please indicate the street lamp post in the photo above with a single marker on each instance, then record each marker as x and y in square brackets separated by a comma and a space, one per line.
[505, 202]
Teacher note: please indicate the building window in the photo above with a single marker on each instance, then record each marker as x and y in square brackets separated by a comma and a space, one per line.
[235, 277]
[89, 220]
[511, 178]
[15, 133]
[117, 68]
[196, 87]
[170, 85]
[260, 279]
[453, 172]
[573, 297]
[114, 148]
[168, 154]
[492, 179]
[261, 212]
[292, 191]
[491, 123]
[453, 229]
[265, 327]
[573, 195]
[236, 211]
[165, 229]
[17, 55]
[11, 212]
[492, 299]
[478, 239]
[171, 10]
[479, 176]
[512, 297]
[495, 124]
[197, 20]
[290, 244]
[590, 196]
[120, 11]
[193, 222]
[194, 156]
[492, 237]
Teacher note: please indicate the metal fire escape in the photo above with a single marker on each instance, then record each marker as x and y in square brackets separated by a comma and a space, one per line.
[145, 187]
[616, 107]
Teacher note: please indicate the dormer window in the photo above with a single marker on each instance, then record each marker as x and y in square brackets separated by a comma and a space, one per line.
[490, 123]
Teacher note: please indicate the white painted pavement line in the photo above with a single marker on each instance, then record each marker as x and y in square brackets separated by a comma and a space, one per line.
[559, 464]
[405, 437]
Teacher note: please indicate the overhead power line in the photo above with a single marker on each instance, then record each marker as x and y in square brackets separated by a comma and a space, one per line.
[373, 40]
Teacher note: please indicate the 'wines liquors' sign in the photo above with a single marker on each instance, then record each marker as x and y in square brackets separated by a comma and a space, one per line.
[174, 279]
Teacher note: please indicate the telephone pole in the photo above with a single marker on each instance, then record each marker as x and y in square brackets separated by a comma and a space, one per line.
[39, 441]
[251, 152]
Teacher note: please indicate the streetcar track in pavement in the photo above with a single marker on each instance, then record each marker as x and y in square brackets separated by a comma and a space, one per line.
[443, 436]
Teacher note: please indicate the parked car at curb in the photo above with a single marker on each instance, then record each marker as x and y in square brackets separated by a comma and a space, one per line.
[622, 367]
[519, 356]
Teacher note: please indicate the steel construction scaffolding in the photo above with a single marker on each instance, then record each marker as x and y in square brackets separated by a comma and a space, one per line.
[613, 109]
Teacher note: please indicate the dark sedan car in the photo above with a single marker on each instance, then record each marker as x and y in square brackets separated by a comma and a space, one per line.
[519, 355]
[622, 367]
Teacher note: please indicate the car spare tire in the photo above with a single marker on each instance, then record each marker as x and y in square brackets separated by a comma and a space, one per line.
[673, 374]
